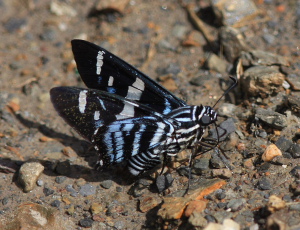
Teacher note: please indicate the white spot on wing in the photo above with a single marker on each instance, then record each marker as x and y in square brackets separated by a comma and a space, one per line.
[110, 81]
[135, 91]
[99, 63]
[96, 115]
[82, 100]
[128, 111]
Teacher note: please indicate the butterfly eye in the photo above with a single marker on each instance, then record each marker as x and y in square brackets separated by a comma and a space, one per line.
[205, 120]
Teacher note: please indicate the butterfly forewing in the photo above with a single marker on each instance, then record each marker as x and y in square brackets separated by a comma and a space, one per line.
[99, 69]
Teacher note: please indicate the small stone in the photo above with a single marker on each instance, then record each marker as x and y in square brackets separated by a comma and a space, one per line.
[216, 161]
[217, 64]
[197, 206]
[71, 190]
[264, 184]
[295, 150]
[71, 210]
[194, 38]
[200, 165]
[96, 208]
[119, 189]
[213, 226]
[119, 225]
[112, 5]
[55, 203]
[163, 182]
[147, 203]
[295, 207]
[87, 190]
[48, 34]
[61, 8]
[271, 152]
[173, 207]
[28, 175]
[296, 172]
[262, 81]
[230, 225]
[226, 127]
[40, 182]
[60, 179]
[248, 163]
[283, 143]
[15, 24]
[86, 222]
[179, 31]
[236, 204]
[230, 13]
[233, 43]
[271, 118]
[139, 188]
[196, 219]
[220, 194]
[36, 216]
[275, 203]
[68, 151]
[48, 191]
[222, 173]
[227, 109]
[5, 201]
[106, 184]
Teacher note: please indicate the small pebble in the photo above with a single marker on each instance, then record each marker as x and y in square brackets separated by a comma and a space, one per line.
[87, 190]
[271, 152]
[163, 182]
[119, 189]
[29, 174]
[264, 184]
[106, 184]
[71, 190]
[236, 204]
[86, 222]
[55, 203]
[40, 182]
[60, 179]
[48, 191]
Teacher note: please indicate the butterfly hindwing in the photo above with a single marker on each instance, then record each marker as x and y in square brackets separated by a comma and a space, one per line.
[100, 69]
[118, 128]
[131, 138]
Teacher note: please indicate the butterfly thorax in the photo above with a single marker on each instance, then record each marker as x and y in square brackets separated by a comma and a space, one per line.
[192, 122]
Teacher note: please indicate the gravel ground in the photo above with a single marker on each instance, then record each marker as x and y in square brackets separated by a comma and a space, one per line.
[47, 171]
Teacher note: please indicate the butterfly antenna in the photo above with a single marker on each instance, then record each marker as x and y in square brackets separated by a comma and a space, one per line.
[227, 90]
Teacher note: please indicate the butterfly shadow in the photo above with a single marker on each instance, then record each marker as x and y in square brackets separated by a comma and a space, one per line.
[65, 168]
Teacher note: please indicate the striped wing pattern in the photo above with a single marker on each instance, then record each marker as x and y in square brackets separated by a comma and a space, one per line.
[125, 114]
[100, 69]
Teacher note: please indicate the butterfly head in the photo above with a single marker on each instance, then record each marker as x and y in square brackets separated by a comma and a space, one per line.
[207, 116]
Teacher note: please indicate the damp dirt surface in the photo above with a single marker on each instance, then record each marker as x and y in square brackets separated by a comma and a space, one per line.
[256, 185]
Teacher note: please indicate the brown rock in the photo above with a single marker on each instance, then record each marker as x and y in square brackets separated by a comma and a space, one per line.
[28, 175]
[174, 207]
[195, 206]
[275, 203]
[147, 203]
[108, 5]
[36, 217]
[271, 152]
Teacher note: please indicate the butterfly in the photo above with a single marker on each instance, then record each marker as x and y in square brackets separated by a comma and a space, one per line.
[126, 115]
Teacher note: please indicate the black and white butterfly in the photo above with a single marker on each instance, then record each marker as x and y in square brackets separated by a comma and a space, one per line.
[126, 115]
